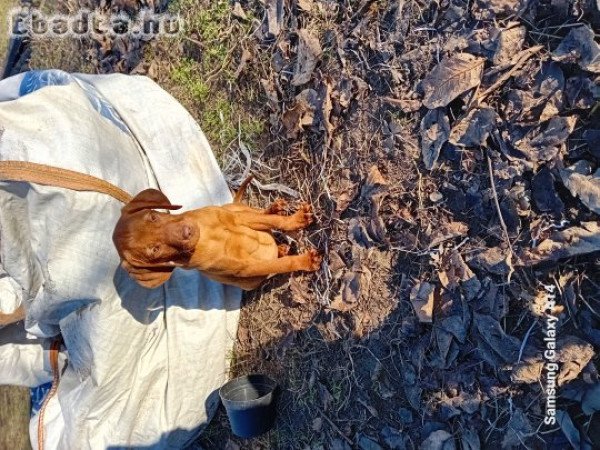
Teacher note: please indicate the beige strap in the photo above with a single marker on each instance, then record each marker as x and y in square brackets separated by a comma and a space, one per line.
[16, 316]
[54, 349]
[54, 176]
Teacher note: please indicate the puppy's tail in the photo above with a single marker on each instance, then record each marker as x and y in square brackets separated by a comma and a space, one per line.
[237, 198]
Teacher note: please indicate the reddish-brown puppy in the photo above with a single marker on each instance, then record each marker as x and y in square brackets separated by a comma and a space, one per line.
[231, 244]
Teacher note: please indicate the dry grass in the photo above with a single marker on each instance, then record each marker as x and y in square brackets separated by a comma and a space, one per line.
[5, 6]
[14, 418]
[64, 54]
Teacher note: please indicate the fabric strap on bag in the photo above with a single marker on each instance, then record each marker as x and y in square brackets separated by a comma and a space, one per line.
[54, 349]
[63, 178]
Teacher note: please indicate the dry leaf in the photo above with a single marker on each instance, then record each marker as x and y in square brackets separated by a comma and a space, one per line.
[450, 78]
[519, 104]
[373, 184]
[376, 227]
[336, 263]
[556, 133]
[129, 6]
[309, 52]
[591, 400]
[544, 143]
[351, 285]
[582, 184]
[538, 304]
[438, 440]
[244, 60]
[490, 9]
[564, 244]
[301, 114]
[470, 440]
[474, 130]
[317, 424]
[592, 138]
[422, 299]
[518, 430]
[358, 234]
[579, 47]
[575, 436]
[495, 346]
[549, 91]
[509, 43]
[299, 291]
[493, 260]
[326, 109]
[543, 101]
[544, 194]
[448, 231]
[274, 16]
[238, 11]
[435, 129]
[581, 93]
[344, 92]
[342, 202]
[350, 292]
[455, 272]
[572, 353]
[271, 92]
[339, 305]
[305, 5]
[374, 413]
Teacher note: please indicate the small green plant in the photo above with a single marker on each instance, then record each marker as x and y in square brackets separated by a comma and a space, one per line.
[187, 75]
[206, 26]
[204, 83]
[337, 391]
[231, 358]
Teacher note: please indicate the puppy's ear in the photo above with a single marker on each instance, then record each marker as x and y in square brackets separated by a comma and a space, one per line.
[149, 199]
[148, 278]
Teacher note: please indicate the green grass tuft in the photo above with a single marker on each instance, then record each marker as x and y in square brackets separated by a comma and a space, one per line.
[205, 83]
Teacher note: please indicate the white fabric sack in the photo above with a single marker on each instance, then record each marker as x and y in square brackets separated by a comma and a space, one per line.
[142, 366]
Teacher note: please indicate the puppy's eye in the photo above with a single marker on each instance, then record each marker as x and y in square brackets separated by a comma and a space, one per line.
[153, 216]
[154, 251]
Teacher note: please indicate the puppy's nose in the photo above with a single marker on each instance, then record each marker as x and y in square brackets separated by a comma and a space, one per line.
[186, 232]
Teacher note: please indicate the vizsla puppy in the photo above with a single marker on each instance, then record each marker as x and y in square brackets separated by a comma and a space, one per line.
[231, 244]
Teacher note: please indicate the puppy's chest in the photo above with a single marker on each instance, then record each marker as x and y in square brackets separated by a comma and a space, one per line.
[243, 242]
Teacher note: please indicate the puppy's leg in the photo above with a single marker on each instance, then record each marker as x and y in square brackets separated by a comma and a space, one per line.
[277, 207]
[239, 208]
[264, 222]
[309, 262]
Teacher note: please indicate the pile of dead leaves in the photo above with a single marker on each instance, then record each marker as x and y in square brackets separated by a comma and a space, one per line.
[522, 104]
[451, 153]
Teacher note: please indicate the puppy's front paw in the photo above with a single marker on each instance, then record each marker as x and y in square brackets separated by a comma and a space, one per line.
[313, 260]
[304, 216]
[278, 207]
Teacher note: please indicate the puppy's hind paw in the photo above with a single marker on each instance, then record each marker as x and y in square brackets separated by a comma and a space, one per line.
[313, 260]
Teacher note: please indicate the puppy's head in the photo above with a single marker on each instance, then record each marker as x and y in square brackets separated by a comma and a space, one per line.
[152, 244]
